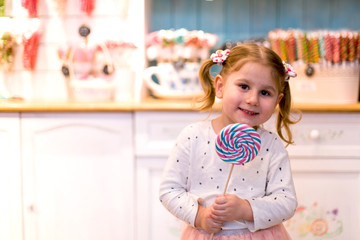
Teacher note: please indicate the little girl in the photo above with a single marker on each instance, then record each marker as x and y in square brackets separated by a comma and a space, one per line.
[260, 195]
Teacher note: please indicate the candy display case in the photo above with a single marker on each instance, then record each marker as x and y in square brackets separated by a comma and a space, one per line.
[327, 64]
[88, 70]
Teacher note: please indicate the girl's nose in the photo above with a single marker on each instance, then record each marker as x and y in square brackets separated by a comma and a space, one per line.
[252, 98]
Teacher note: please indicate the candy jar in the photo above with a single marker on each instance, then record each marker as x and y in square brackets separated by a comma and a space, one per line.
[88, 69]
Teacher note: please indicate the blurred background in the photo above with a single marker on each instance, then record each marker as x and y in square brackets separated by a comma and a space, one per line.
[93, 94]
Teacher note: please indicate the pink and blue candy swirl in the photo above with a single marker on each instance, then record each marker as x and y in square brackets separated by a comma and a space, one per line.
[238, 143]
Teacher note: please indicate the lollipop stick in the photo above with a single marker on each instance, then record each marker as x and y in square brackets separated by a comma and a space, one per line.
[228, 179]
[226, 185]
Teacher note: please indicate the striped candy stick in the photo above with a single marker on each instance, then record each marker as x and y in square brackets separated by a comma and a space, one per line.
[305, 48]
[237, 144]
[336, 47]
[352, 47]
[299, 46]
[328, 47]
[275, 42]
[283, 52]
[344, 48]
[357, 54]
[292, 47]
[322, 45]
[314, 48]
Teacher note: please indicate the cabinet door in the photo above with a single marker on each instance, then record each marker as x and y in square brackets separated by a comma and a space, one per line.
[78, 176]
[10, 177]
[325, 162]
[153, 220]
[328, 192]
[155, 134]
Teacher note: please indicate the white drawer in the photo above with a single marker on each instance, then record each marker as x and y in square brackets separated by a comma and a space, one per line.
[320, 135]
[155, 132]
[326, 135]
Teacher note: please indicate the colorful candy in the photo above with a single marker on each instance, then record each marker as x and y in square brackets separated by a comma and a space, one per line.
[283, 54]
[305, 47]
[322, 45]
[335, 38]
[299, 48]
[357, 46]
[31, 46]
[31, 6]
[292, 48]
[335, 47]
[238, 143]
[344, 44]
[328, 48]
[351, 47]
[87, 6]
[7, 51]
[179, 45]
[314, 48]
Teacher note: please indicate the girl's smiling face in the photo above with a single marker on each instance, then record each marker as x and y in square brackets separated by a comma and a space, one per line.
[249, 95]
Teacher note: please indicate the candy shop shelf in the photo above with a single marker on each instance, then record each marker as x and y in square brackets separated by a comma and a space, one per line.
[146, 105]
[69, 106]
[316, 107]
[65, 106]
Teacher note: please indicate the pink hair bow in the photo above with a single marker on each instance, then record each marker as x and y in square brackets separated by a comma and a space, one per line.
[220, 56]
[289, 70]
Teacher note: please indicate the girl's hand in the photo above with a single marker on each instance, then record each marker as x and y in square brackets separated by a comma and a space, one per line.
[204, 220]
[230, 207]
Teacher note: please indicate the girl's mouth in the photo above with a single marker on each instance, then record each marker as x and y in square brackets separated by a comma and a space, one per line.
[248, 112]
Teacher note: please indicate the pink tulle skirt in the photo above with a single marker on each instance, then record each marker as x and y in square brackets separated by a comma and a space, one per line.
[277, 232]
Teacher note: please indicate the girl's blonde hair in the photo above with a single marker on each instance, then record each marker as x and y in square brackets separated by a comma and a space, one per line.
[239, 55]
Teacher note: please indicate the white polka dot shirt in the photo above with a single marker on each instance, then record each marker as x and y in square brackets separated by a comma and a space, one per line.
[194, 171]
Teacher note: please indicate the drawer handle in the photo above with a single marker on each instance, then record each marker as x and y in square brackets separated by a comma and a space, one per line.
[314, 135]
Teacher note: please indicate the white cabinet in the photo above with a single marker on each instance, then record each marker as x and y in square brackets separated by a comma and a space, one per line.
[10, 177]
[78, 176]
[326, 170]
[325, 163]
[96, 175]
[153, 220]
[155, 133]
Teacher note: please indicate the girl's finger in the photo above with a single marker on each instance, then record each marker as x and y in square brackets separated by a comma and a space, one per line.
[219, 206]
[217, 218]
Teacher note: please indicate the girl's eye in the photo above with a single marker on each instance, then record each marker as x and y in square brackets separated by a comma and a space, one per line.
[244, 86]
[265, 93]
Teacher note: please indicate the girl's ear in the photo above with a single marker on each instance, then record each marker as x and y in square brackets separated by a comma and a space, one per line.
[219, 85]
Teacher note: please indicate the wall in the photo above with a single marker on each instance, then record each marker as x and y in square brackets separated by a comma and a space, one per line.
[244, 19]
[108, 21]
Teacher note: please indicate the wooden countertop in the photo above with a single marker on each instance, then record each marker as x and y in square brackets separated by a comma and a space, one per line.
[146, 105]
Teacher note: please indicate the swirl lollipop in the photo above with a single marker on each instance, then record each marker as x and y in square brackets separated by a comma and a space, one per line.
[237, 144]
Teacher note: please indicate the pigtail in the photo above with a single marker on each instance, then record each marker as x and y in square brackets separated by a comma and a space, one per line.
[207, 83]
[283, 117]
